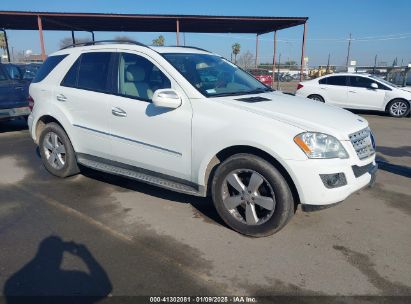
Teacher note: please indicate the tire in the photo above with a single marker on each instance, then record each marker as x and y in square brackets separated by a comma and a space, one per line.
[316, 97]
[58, 161]
[398, 108]
[262, 221]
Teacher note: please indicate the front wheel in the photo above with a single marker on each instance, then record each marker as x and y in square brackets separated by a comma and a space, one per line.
[398, 108]
[252, 196]
[56, 151]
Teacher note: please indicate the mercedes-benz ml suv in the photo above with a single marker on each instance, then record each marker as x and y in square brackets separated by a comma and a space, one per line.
[191, 121]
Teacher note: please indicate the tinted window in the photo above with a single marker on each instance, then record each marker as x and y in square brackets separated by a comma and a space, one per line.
[45, 69]
[93, 71]
[337, 80]
[323, 81]
[360, 82]
[139, 78]
[13, 71]
[70, 80]
[2, 75]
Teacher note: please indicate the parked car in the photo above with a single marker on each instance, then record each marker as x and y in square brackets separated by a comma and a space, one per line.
[358, 91]
[145, 113]
[14, 100]
[262, 75]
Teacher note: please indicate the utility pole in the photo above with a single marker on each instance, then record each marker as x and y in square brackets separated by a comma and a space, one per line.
[278, 72]
[375, 64]
[328, 64]
[349, 49]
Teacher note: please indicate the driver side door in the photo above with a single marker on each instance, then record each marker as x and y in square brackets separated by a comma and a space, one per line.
[362, 96]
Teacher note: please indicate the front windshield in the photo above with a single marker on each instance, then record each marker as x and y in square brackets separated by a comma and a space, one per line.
[383, 81]
[215, 76]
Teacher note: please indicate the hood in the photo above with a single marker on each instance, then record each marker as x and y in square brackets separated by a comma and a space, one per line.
[307, 114]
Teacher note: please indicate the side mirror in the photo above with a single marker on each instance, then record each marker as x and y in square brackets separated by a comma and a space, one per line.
[374, 86]
[166, 98]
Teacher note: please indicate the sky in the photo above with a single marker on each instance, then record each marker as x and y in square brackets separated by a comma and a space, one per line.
[378, 27]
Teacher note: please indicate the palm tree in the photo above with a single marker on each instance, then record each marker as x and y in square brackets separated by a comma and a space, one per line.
[236, 50]
[159, 41]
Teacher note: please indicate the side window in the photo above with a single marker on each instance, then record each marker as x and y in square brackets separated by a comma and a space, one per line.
[2, 74]
[360, 82]
[323, 81]
[139, 78]
[337, 80]
[14, 72]
[70, 80]
[93, 71]
[45, 69]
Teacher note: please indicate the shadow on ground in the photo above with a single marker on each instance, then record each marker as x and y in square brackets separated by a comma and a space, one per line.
[17, 124]
[43, 276]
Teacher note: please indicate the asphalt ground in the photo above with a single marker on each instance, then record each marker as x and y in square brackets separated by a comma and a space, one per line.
[106, 236]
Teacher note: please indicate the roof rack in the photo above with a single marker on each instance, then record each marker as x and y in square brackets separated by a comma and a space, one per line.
[189, 47]
[103, 41]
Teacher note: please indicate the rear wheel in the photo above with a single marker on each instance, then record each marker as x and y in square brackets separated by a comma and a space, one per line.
[316, 97]
[251, 195]
[56, 151]
[398, 108]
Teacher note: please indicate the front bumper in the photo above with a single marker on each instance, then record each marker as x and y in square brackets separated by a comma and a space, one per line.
[14, 112]
[311, 189]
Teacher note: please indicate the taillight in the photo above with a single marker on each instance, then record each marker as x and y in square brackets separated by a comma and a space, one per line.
[31, 102]
[299, 86]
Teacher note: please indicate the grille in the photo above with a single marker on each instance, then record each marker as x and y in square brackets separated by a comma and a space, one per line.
[363, 143]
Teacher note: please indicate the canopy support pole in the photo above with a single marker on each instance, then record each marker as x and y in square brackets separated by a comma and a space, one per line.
[92, 36]
[275, 55]
[256, 51]
[178, 32]
[303, 51]
[72, 37]
[43, 50]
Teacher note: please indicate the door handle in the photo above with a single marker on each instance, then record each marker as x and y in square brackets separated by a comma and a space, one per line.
[322, 88]
[61, 97]
[352, 92]
[118, 112]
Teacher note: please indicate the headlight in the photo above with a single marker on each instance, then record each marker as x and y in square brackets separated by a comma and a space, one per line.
[319, 145]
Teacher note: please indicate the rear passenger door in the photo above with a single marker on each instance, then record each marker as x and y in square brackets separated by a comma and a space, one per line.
[84, 95]
[334, 89]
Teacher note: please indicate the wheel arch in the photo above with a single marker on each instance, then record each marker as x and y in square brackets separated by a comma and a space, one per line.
[315, 94]
[237, 149]
[41, 124]
[396, 98]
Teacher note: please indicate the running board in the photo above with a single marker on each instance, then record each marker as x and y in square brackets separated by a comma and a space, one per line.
[138, 174]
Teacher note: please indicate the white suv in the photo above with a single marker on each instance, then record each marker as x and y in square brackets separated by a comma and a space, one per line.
[189, 120]
[358, 91]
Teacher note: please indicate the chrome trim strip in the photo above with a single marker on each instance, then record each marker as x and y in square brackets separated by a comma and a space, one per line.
[131, 140]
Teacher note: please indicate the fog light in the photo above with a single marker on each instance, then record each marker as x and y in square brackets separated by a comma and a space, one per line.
[333, 180]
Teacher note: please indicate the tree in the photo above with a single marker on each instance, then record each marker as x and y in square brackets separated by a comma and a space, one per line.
[246, 60]
[159, 41]
[3, 45]
[123, 38]
[236, 50]
[68, 41]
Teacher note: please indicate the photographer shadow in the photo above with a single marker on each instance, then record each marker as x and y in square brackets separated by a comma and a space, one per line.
[43, 277]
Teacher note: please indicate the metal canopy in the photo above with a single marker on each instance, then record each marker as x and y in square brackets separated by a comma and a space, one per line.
[145, 23]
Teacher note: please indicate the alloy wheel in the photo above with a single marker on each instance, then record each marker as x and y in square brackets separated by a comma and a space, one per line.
[54, 150]
[248, 196]
[398, 108]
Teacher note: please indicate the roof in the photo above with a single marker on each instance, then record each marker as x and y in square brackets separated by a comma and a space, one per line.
[54, 21]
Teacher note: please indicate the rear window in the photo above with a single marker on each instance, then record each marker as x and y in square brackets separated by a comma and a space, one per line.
[334, 80]
[48, 66]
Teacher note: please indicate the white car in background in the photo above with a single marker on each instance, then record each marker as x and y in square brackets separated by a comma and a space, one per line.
[358, 91]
